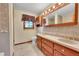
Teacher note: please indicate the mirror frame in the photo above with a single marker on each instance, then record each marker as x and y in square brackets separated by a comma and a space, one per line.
[75, 20]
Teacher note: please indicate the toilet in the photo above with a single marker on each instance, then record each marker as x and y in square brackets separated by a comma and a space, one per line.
[34, 40]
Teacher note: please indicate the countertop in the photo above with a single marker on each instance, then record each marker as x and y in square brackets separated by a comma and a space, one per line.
[72, 44]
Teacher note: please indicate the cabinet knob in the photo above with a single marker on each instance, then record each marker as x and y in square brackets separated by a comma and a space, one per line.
[62, 50]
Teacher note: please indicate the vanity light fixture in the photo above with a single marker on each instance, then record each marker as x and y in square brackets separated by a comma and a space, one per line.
[49, 10]
[59, 3]
[53, 6]
[43, 14]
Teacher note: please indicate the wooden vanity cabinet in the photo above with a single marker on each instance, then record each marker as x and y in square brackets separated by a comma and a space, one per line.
[65, 51]
[50, 48]
[56, 53]
[39, 42]
[47, 47]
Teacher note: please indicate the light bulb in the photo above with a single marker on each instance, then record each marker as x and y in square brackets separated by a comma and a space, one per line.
[53, 6]
[43, 13]
[59, 3]
[49, 10]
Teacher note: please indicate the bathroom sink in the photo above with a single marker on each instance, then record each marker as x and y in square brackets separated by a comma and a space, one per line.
[68, 41]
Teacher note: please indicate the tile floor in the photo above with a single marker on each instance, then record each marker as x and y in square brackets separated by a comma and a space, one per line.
[27, 49]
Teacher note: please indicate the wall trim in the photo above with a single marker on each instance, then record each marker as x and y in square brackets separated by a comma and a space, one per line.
[11, 34]
[23, 42]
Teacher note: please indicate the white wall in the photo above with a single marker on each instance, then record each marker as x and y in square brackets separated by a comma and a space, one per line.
[20, 34]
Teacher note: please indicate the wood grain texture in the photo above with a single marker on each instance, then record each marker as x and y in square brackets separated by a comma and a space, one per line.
[50, 48]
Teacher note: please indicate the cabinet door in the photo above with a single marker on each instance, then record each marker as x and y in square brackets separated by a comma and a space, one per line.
[39, 42]
[48, 43]
[56, 53]
[47, 46]
[66, 51]
[46, 52]
[39, 20]
[70, 52]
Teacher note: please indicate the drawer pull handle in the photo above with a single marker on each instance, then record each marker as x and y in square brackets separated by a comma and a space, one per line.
[63, 50]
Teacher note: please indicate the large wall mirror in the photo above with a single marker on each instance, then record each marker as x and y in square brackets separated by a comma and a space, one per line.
[66, 15]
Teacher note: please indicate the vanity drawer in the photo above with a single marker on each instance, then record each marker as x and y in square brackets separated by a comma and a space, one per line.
[70, 52]
[47, 48]
[65, 51]
[46, 52]
[39, 42]
[47, 42]
[56, 53]
[58, 47]
[39, 45]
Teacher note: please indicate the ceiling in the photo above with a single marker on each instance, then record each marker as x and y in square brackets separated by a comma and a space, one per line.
[34, 8]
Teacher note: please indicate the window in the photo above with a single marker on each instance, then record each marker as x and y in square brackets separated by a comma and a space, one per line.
[28, 21]
[28, 25]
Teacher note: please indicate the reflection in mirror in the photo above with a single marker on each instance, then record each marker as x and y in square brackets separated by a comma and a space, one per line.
[65, 14]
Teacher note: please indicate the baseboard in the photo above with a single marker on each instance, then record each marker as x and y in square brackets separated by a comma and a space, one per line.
[23, 42]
